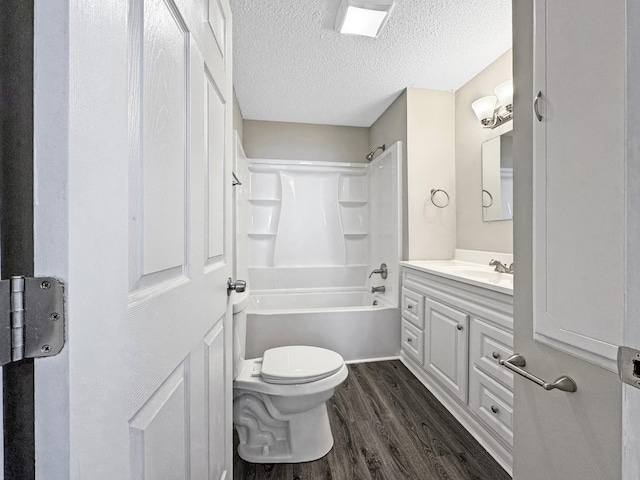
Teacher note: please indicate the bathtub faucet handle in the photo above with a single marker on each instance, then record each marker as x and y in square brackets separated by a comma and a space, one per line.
[382, 271]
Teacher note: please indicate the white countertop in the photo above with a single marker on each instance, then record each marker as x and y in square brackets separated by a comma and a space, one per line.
[477, 274]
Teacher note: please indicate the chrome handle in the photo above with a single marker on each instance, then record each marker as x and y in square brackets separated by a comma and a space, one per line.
[409, 307]
[494, 409]
[238, 286]
[409, 340]
[535, 106]
[459, 327]
[516, 362]
[495, 355]
[383, 271]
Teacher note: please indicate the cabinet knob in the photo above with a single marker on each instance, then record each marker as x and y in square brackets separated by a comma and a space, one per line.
[459, 327]
[409, 340]
[494, 409]
[495, 355]
[409, 307]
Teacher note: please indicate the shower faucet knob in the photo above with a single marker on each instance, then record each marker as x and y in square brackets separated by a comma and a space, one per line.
[383, 271]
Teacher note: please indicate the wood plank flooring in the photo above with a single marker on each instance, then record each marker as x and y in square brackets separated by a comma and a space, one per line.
[386, 425]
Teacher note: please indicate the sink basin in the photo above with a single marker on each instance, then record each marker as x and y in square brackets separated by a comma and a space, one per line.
[473, 273]
[480, 274]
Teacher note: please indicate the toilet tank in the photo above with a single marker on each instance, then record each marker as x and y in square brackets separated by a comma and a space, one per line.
[240, 302]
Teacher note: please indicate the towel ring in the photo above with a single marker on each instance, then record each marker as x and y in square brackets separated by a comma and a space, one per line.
[433, 193]
[490, 198]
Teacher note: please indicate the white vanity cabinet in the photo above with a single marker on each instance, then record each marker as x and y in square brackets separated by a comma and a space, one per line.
[453, 336]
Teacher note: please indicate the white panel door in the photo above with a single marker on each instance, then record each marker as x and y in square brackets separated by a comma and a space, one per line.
[133, 190]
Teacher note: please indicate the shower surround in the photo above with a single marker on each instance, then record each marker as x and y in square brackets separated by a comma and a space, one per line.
[319, 229]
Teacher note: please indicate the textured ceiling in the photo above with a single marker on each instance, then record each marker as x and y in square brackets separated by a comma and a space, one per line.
[291, 66]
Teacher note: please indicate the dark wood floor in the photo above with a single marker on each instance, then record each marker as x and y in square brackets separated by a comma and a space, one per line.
[386, 425]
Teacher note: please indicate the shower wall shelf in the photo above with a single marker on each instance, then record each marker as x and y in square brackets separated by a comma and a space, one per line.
[312, 224]
[264, 201]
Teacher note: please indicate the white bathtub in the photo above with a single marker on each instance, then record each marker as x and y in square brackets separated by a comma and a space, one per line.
[346, 322]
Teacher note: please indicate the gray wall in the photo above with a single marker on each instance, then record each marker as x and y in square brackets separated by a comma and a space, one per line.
[303, 141]
[473, 233]
[557, 435]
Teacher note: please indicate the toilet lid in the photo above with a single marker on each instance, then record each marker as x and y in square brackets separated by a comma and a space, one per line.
[299, 364]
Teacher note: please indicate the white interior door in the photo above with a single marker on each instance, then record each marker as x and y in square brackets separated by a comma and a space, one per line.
[559, 434]
[133, 149]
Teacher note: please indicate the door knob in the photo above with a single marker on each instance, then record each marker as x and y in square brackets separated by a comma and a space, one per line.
[238, 286]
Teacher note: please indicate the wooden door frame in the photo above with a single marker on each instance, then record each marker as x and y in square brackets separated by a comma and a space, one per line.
[16, 219]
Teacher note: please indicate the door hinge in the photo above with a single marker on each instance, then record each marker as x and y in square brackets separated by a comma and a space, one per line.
[31, 318]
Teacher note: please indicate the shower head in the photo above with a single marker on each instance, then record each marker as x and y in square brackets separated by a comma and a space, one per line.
[370, 155]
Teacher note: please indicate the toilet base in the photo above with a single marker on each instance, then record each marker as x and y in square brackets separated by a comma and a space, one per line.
[294, 438]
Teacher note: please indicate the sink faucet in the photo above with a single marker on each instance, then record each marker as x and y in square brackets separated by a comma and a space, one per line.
[501, 267]
[377, 289]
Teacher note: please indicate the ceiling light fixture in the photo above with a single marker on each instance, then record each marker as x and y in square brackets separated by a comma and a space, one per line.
[363, 17]
[497, 109]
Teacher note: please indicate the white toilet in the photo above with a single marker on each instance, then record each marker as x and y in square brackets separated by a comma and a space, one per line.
[279, 407]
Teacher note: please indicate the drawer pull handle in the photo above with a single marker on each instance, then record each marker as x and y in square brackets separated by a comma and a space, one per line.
[409, 307]
[459, 327]
[494, 409]
[495, 355]
[516, 362]
[409, 340]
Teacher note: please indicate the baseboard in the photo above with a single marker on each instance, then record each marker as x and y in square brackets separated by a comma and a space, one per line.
[376, 359]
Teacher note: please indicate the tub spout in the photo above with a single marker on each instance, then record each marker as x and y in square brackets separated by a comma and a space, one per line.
[379, 289]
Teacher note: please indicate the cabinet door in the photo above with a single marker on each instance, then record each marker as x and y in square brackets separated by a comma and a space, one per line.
[446, 346]
[578, 170]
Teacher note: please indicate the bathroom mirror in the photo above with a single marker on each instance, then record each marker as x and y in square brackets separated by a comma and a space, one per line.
[497, 178]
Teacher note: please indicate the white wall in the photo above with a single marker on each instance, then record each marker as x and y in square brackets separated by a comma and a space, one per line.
[238, 120]
[302, 141]
[389, 128]
[472, 232]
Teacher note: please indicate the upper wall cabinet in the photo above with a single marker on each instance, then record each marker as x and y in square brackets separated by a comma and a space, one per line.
[579, 72]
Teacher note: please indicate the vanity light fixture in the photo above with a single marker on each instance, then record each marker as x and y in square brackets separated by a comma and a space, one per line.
[363, 17]
[497, 109]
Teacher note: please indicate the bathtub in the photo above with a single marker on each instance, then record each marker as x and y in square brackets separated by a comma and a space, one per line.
[346, 322]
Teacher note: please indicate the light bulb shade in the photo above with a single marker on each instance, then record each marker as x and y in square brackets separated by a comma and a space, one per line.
[504, 92]
[484, 107]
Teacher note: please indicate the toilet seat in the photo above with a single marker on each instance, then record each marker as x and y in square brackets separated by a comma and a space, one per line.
[299, 364]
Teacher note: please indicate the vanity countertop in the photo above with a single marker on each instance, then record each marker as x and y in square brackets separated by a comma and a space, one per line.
[467, 272]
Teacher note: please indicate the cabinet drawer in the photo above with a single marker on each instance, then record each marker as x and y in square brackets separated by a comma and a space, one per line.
[413, 307]
[412, 341]
[493, 404]
[489, 344]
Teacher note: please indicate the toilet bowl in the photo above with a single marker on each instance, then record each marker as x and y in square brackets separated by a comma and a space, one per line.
[279, 400]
